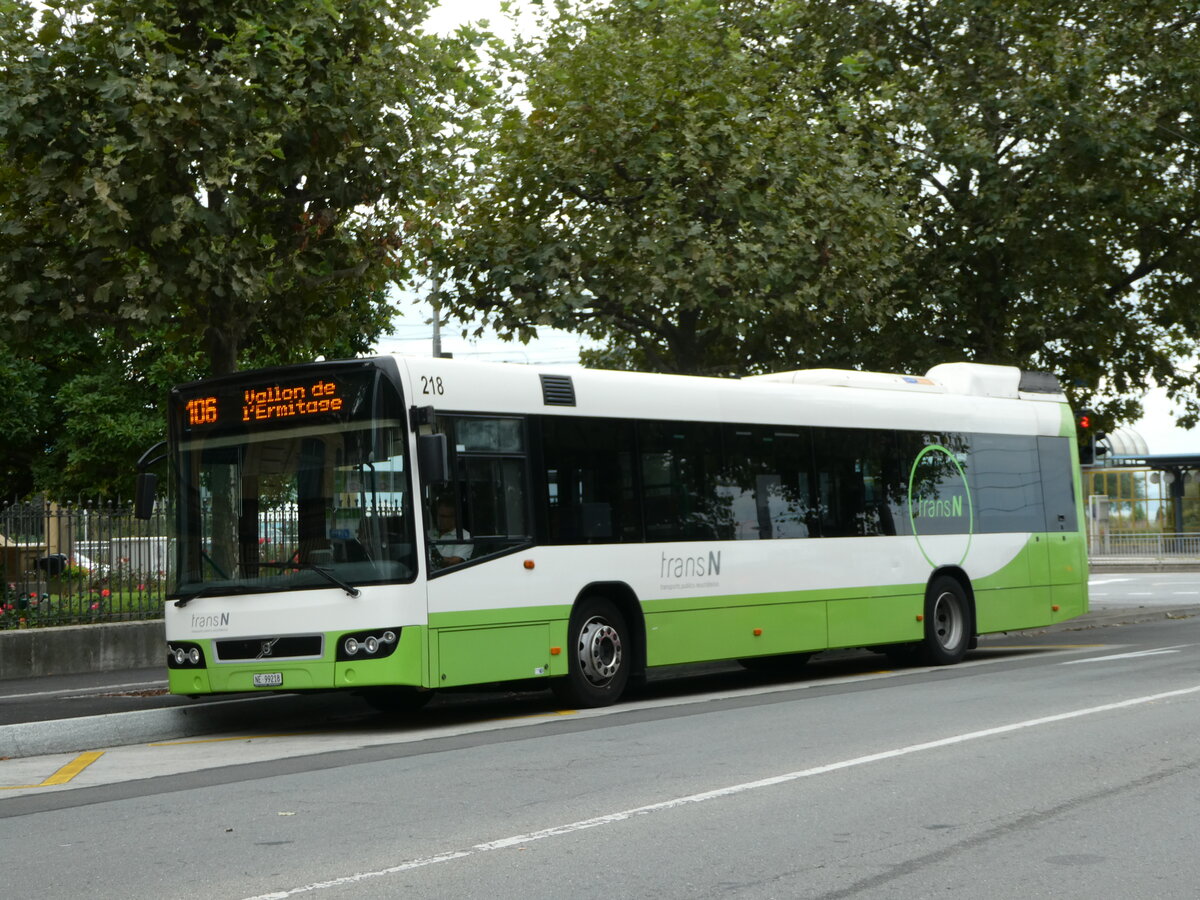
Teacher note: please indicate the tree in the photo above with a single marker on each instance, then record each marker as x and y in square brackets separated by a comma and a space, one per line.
[24, 419]
[729, 185]
[229, 171]
[1060, 147]
[670, 190]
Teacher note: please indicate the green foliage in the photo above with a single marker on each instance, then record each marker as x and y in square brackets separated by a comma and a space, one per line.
[233, 167]
[730, 185]
[672, 190]
[188, 188]
[24, 420]
[1059, 144]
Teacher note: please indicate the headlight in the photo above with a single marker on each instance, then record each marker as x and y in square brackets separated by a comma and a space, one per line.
[370, 645]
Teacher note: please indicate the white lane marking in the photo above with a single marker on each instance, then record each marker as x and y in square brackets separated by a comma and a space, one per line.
[1095, 581]
[88, 692]
[705, 796]
[1132, 655]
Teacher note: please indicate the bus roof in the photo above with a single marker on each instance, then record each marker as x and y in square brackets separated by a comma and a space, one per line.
[950, 397]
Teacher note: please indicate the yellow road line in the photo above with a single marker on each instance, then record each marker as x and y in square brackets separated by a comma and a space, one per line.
[63, 775]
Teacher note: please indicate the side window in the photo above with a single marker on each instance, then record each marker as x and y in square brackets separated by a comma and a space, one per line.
[940, 468]
[1058, 486]
[1005, 481]
[766, 484]
[857, 482]
[483, 510]
[680, 469]
[590, 495]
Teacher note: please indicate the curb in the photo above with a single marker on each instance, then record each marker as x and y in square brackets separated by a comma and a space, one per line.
[298, 711]
[1132, 615]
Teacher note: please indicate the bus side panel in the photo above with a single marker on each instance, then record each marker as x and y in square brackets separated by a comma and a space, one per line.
[1017, 596]
[863, 621]
[692, 635]
[480, 646]
[481, 655]
[1068, 575]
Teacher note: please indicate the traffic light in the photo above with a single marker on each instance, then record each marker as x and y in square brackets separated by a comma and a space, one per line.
[1089, 434]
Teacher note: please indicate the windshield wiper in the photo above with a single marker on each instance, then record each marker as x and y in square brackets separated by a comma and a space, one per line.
[320, 570]
[212, 590]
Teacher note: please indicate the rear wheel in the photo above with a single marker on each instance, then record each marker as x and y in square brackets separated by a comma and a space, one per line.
[948, 625]
[599, 655]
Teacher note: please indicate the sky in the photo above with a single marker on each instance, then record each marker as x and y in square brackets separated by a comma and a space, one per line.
[412, 332]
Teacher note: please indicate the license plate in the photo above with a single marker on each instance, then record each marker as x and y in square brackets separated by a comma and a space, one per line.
[268, 679]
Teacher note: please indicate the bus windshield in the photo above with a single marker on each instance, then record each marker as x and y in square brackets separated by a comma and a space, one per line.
[292, 482]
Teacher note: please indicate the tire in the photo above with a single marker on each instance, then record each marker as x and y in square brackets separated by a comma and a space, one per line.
[397, 701]
[599, 655]
[948, 624]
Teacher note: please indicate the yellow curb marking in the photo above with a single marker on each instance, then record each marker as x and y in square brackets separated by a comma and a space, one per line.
[541, 715]
[63, 775]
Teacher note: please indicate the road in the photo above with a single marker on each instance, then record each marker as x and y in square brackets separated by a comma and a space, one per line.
[1058, 764]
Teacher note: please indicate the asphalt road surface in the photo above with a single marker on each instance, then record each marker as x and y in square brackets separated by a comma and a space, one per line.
[1062, 763]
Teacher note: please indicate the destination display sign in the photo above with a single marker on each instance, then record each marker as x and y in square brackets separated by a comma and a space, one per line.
[280, 402]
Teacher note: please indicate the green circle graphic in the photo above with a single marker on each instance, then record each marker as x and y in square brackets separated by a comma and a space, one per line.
[912, 474]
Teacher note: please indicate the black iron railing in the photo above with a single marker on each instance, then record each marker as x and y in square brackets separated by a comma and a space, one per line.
[66, 564]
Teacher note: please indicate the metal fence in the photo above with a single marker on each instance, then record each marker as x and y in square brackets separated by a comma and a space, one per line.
[66, 564]
[1148, 546]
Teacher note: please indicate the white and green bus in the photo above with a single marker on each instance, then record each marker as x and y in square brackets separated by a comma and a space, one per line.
[397, 525]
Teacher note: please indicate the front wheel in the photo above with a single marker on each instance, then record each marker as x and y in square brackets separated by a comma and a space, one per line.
[948, 623]
[599, 655]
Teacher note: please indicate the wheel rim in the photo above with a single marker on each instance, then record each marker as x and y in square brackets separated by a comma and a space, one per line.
[600, 651]
[948, 621]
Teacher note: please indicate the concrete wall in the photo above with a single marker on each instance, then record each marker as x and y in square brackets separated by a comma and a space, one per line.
[30, 652]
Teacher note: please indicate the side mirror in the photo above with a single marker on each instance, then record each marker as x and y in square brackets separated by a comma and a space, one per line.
[143, 495]
[433, 459]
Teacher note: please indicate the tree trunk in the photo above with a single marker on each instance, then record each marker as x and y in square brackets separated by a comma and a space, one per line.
[222, 350]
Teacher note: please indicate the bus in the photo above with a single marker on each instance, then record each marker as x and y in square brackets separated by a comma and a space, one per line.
[394, 526]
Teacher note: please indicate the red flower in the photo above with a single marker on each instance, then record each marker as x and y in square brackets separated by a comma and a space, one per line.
[106, 593]
[95, 605]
